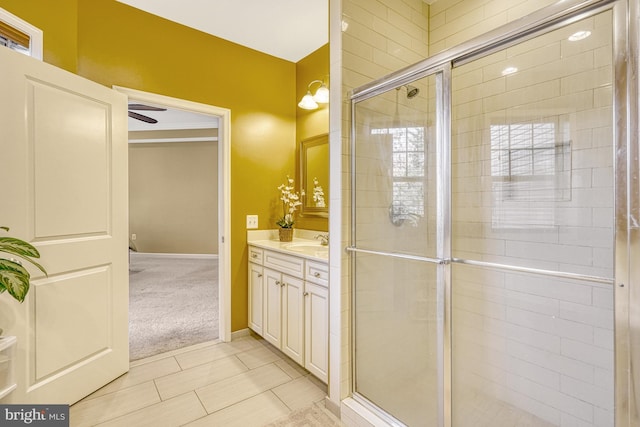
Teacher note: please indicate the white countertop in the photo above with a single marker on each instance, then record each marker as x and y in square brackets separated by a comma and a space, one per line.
[303, 244]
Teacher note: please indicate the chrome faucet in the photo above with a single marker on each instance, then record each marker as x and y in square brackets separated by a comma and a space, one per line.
[324, 239]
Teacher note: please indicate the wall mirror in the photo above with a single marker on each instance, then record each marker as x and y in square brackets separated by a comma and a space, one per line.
[314, 175]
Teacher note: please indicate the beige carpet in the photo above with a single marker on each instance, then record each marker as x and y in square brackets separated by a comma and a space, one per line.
[315, 415]
[173, 303]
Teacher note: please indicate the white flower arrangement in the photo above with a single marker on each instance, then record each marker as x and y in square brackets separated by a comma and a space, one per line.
[318, 194]
[290, 202]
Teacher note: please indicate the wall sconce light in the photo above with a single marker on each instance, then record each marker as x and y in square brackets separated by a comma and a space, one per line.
[310, 102]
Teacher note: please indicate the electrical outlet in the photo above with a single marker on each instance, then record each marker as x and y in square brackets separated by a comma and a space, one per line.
[252, 221]
[134, 236]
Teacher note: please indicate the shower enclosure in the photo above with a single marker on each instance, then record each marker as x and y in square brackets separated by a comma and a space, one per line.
[490, 228]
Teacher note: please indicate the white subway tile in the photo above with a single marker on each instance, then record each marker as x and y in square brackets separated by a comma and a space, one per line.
[587, 353]
[571, 421]
[591, 393]
[604, 378]
[552, 360]
[603, 418]
[553, 398]
[587, 314]
[603, 297]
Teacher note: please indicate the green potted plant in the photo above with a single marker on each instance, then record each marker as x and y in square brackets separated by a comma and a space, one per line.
[14, 278]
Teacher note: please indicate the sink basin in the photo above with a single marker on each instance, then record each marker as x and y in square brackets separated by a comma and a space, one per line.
[309, 249]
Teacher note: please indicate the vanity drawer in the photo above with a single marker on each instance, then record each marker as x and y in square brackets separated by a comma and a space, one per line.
[255, 255]
[287, 264]
[317, 272]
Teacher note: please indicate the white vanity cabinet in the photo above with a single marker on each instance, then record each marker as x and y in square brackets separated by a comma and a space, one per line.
[288, 306]
[316, 320]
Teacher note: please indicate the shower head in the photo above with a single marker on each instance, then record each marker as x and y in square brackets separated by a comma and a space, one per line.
[411, 90]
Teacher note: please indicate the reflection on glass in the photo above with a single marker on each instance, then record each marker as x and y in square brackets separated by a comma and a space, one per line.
[532, 154]
[396, 170]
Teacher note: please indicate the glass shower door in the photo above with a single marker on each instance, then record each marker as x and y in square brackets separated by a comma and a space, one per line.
[533, 232]
[395, 270]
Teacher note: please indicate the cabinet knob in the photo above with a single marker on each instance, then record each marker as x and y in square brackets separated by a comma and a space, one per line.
[282, 284]
[316, 274]
[259, 274]
[254, 255]
[306, 294]
[277, 282]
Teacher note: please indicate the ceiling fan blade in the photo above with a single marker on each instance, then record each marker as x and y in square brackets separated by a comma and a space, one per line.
[141, 117]
[145, 107]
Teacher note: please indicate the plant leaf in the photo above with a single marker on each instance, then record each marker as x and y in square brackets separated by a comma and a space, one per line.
[21, 249]
[18, 247]
[14, 278]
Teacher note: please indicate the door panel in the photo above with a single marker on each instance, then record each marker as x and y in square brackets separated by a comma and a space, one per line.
[85, 291]
[316, 312]
[533, 192]
[398, 314]
[67, 138]
[273, 307]
[293, 318]
[71, 143]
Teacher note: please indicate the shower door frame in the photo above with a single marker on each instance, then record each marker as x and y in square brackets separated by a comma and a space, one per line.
[626, 282]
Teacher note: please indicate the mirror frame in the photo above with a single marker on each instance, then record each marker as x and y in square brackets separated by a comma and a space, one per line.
[312, 211]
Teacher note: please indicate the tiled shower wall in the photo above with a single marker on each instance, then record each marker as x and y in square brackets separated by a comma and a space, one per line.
[539, 343]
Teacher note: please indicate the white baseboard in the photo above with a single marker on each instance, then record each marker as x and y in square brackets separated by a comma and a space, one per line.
[165, 255]
[241, 333]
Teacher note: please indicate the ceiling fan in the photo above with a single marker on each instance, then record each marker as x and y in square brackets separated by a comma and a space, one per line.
[142, 117]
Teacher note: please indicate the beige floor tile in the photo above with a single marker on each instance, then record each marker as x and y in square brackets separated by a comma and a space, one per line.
[215, 352]
[258, 357]
[173, 353]
[253, 412]
[291, 368]
[199, 376]
[240, 387]
[299, 393]
[113, 405]
[138, 375]
[173, 412]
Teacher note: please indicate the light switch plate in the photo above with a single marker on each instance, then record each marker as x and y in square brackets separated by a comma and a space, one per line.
[252, 221]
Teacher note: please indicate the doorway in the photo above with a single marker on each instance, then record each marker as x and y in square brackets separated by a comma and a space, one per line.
[222, 227]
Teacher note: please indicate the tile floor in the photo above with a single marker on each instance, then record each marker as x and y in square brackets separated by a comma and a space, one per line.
[244, 383]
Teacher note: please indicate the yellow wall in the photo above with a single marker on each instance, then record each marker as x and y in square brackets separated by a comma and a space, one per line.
[58, 21]
[119, 45]
[311, 123]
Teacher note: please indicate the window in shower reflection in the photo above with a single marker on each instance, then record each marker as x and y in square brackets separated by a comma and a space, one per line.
[408, 172]
[530, 169]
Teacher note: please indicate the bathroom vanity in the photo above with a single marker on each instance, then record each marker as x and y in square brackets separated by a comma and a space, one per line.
[289, 298]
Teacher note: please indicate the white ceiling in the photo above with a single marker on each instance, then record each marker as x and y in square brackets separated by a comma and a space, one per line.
[171, 119]
[287, 29]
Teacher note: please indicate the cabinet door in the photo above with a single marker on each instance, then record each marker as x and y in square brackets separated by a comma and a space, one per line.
[293, 318]
[316, 358]
[272, 307]
[256, 293]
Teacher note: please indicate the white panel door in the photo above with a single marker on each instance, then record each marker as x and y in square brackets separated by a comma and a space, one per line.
[293, 318]
[272, 326]
[316, 355]
[64, 144]
[256, 292]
